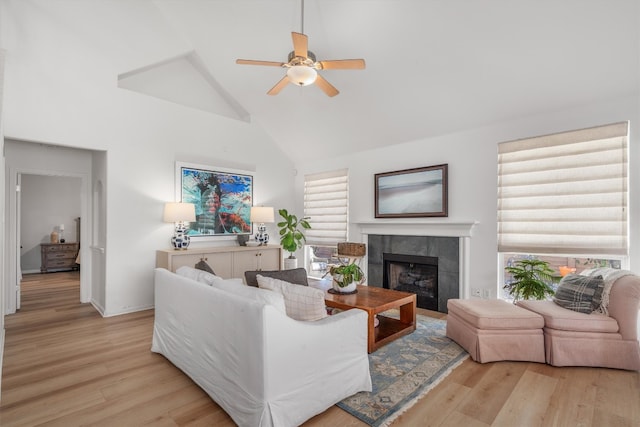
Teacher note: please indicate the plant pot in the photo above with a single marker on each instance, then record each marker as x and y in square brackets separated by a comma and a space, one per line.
[290, 263]
[351, 287]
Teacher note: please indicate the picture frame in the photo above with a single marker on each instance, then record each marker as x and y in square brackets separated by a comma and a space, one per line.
[412, 193]
[222, 198]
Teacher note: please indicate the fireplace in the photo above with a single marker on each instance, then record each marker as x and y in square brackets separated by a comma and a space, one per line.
[415, 274]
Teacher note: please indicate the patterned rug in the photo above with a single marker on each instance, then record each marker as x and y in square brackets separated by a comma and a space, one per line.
[405, 370]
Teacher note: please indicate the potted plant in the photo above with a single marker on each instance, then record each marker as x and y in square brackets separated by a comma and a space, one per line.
[531, 278]
[346, 277]
[292, 236]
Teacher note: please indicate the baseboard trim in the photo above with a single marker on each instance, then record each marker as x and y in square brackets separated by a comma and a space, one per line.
[1, 358]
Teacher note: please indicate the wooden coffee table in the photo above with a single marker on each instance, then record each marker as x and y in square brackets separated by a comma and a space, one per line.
[374, 301]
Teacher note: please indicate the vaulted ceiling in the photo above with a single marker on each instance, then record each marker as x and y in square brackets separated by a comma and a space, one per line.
[432, 66]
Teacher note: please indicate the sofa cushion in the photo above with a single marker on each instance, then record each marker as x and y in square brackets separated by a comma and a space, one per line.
[579, 293]
[301, 302]
[556, 317]
[197, 275]
[494, 314]
[237, 287]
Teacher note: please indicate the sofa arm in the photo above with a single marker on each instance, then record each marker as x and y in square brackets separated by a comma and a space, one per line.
[624, 302]
[313, 364]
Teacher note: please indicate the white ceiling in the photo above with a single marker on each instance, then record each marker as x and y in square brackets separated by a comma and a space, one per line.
[433, 66]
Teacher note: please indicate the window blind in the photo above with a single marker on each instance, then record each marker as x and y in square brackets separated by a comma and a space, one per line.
[565, 193]
[326, 204]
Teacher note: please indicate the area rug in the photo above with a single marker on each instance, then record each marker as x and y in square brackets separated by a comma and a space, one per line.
[404, 370]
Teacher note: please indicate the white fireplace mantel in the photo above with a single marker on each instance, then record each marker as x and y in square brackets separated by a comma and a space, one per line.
[418, 228]
[463, 230]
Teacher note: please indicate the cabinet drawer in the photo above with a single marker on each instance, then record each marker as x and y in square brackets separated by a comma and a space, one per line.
[62, 255]
[60, 263]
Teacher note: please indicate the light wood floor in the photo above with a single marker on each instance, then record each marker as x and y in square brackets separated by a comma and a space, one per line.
[65, 365]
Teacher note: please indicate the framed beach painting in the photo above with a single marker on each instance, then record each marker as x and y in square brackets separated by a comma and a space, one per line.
[411, 193]
[222, 197]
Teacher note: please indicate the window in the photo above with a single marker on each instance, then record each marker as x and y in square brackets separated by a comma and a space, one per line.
[565, 193]
[326, 203]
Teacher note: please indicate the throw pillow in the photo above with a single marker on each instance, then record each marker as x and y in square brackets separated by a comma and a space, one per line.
[202, 265]
[579, 293]
[301, 302]
[237, 287]
[197, 275]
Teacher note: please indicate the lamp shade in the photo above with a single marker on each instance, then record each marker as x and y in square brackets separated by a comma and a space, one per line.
[302, 75]
[177, 212]
[262, 214]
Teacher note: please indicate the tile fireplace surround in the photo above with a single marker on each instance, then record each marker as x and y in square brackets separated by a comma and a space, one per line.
[421, 238]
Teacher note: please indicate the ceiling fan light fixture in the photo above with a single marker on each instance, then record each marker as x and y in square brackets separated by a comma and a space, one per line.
[302, 75]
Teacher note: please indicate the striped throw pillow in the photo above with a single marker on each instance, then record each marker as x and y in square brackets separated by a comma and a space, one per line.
[579, 293]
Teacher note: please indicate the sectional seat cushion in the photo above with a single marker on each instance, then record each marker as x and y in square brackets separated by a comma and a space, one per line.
[237, 287]
[556, 317]
[579, 293]
[301, 302]
[495, 314]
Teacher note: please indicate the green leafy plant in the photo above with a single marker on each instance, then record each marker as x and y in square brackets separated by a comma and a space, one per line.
[346, 274]
[531, 278]
[291, 231]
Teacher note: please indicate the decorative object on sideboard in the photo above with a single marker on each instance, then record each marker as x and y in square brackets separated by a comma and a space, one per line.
[292, 236]
[262, 215]
[179, 213]
[54, 237]
[411, 193]
[243, 239]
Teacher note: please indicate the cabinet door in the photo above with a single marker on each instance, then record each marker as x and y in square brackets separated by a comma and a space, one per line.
[245, 261]
[270, 259]
[220, 263]
[180, 260]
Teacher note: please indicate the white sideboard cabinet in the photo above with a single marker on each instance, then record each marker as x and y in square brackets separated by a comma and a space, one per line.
[226, 261]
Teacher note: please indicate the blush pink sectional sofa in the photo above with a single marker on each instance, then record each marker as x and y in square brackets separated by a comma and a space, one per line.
[577, 339]
[542, 331]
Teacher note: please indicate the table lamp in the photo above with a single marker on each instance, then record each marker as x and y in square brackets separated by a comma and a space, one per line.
[262, 215]
[179, 213]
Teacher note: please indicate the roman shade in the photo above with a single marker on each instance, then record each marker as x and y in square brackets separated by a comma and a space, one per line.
[326, 205]
[565, 193]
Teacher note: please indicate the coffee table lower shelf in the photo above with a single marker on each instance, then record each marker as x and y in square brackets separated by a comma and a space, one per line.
[390, 329]
[374, 301]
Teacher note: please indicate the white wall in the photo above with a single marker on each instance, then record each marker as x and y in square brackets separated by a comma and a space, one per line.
[46, 203]
[61, 91]
[472, 159]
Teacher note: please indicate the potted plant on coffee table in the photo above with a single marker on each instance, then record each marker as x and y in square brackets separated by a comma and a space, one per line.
[292, 236]
[346, 277]
[531, 278]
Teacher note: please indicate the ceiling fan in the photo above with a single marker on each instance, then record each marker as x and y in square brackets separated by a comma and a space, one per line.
[302, 65]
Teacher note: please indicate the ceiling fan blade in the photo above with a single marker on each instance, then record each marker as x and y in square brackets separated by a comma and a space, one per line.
[252, 62]
[279, 86]
[300, 44]
[326, 87]
[343, 64]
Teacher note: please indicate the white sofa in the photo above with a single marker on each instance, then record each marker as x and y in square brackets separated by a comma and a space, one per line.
[262, 367]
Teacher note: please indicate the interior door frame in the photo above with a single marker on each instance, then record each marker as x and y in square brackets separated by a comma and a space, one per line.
[13, 210]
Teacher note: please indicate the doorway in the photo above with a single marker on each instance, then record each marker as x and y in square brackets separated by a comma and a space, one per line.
[23, 158]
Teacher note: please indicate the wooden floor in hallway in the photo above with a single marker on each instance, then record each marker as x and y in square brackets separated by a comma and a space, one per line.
[65, 365]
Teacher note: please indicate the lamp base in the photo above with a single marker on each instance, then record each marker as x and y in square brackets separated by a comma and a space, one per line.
[261, 235]
[180, 239]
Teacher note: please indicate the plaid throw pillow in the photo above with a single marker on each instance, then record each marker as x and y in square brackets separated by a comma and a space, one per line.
[579, 293]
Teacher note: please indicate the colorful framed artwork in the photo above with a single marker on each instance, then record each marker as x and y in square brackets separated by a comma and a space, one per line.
[411, 193]
[222, 197]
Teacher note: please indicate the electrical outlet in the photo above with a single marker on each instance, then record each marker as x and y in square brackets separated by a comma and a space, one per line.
[476, 292]
[486, 293]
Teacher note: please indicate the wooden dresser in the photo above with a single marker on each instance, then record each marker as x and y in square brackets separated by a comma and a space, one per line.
[58, 256]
